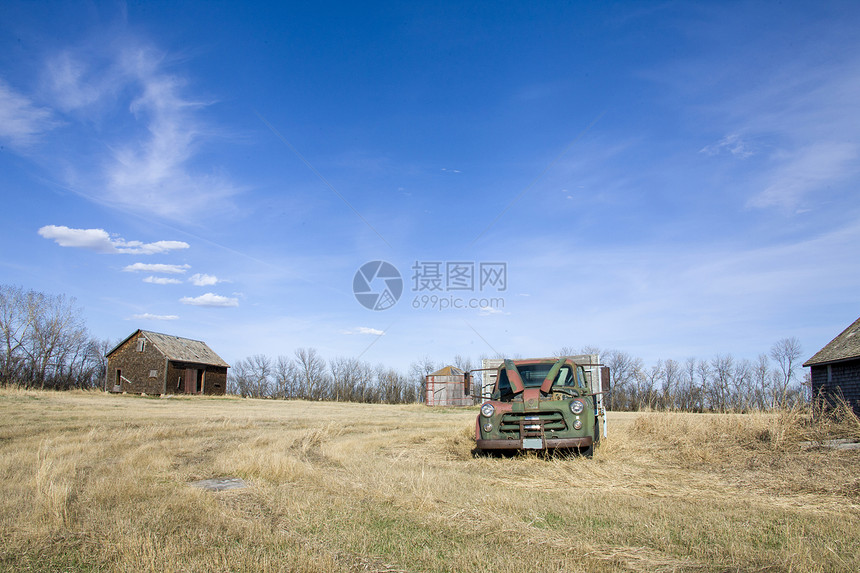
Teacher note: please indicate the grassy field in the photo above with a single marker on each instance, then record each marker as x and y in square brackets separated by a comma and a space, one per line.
[92, 482]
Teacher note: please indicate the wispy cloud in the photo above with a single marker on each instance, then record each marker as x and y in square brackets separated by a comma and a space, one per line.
[162, 281]
[490, 310]
[157, 268]
[201, 279]
[364, 330]
[148, 165]
[211, 300]
[100, 241]
[805, 170]
[21, 121]
[805, 114]
[148, 316]
[157, 166]
[733, 144]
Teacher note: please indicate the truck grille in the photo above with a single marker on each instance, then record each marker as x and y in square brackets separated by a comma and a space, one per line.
[531, 423]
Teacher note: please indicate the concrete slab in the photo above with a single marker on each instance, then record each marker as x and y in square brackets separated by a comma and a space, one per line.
[220, 484]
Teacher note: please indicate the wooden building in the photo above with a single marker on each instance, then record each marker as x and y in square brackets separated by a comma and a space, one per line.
[835, 369]
[447, 387]
[153, 363]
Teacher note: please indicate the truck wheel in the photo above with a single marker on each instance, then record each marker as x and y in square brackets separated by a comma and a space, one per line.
[587, 452]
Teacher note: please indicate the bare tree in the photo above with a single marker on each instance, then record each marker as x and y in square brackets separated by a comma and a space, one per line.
[312, 372]
[742, 379]
[672, 375]
[285, 378]
[565, 351]
[418, 372]
[14, 329]
[251, 377]
[623, 369]
[785, 353]
[703, 369]
[761, 376]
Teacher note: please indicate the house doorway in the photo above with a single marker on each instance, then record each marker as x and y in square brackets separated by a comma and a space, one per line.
[194, 381]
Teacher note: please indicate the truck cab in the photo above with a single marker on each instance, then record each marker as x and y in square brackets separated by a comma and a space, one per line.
[543, 404]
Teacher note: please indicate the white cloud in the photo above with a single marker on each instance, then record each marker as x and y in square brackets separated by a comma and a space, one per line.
[75, 85]
[156, 167]
[805, 170]
[100, 241]
[146, 165]
[364, 330]
[210, 299]
[162, 281]
[201, 279]
[157, 268]
[489, 310]
[732, 143]
[21, 122]
[804, 115]
[148, 316]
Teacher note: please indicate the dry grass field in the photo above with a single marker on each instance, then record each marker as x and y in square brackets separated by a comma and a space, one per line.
[92, 482]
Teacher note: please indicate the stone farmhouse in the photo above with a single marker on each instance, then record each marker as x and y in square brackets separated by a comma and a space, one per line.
[835, 369]
[152, 363]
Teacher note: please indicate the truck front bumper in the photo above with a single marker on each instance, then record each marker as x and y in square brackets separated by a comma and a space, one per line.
[548, 444]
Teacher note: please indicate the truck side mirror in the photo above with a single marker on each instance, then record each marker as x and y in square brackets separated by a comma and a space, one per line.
[467, 383]
[604, 379]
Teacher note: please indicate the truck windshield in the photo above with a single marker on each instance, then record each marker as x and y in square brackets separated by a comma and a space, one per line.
[533, 376]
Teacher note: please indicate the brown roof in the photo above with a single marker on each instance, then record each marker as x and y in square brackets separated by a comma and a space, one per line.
[844, 347]
[448, 371]
[180, 349]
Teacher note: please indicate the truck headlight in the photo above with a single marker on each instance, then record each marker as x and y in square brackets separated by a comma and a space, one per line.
[488, 427]
[577, 406]
[577, 425]
[487, 410]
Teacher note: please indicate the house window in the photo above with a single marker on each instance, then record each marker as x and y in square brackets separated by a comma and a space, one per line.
[141, 344]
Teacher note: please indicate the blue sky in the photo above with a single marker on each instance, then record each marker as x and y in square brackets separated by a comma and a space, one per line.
[670, 179]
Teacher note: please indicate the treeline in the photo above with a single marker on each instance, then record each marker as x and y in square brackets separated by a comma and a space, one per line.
[308, 376]
[721, 384]
[45, 344]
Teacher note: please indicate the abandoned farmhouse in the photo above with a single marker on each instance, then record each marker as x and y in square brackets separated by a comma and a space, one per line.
[835, 369]
[153, 363]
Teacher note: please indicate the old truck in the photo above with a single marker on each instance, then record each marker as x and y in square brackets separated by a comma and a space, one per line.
[543, 404]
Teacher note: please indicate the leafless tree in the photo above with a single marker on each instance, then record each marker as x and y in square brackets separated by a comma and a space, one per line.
[761, 377]
[312, 372]
[44, 342]
[786, 353]
[623, 370]
[285, 378]
[418, 372]
[703, 370]
[251, 377]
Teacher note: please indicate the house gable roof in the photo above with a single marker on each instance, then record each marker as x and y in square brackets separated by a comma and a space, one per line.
[179, 349]
[448, 371]
[844, 347]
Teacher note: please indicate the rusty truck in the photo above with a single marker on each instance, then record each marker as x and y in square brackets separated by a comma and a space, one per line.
[543, 404]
